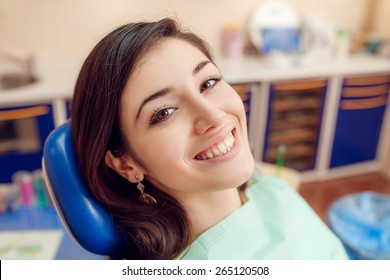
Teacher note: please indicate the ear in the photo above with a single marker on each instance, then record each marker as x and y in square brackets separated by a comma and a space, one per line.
[124, 166]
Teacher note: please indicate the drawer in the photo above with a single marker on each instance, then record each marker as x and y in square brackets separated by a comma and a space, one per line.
[299, 85]
[292, 152]
[367, 80]
[364, 103]
[296, 104]
[23, 113]
[242, 89]
[292, 136]
[365, 91]
[297, 121]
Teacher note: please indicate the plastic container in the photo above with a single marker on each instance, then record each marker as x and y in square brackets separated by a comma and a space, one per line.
[275, 27]
[24, 180]
[9, 197]
[41, 196]
[362, 222]
[233, 41]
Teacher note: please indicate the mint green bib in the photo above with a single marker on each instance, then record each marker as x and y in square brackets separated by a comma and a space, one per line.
[275, 223]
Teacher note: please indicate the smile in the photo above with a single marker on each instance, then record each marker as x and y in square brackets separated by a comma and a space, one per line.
[218, 149]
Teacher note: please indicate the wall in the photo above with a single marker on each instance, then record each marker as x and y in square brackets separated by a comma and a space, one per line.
[67, 29]
[381, 20]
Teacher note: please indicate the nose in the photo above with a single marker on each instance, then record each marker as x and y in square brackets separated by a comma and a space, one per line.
[207, 116]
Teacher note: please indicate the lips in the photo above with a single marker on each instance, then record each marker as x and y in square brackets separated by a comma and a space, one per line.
[218, 149]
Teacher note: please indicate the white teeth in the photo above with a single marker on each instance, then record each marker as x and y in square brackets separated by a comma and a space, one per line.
[209, 154]
[222, 148]
[216, 151]
[219, 149]
[229, 141]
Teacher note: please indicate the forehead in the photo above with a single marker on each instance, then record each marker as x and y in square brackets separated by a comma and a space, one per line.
[170, 53]
[164, 65]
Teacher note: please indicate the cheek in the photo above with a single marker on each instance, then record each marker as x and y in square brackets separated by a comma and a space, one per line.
[234, 105]
[164, 160]
[163, 150]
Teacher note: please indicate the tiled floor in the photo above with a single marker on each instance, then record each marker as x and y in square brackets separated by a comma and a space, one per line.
[321, 194]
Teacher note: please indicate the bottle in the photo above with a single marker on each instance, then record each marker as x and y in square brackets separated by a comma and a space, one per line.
[24, 180]
[233, 41]
[343, 44]
[39, 189]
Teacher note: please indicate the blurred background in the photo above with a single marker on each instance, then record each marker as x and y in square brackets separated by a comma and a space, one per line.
[59, 30]
[314, 77]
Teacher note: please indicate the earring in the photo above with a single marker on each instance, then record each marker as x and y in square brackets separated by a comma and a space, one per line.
[144, 198]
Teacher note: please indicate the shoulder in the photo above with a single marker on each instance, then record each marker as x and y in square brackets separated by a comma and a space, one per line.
[272, 192]
[287, 214]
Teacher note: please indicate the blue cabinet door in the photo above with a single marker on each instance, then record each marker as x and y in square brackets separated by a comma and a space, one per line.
[357, 135]
[359, 122]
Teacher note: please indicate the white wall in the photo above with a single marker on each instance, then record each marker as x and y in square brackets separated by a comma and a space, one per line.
[381, 20]
[67, 29]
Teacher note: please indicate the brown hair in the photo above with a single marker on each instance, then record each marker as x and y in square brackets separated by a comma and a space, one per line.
[160, 232]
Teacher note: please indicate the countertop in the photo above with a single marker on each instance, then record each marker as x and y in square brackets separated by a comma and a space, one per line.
[57, 80]
[276, 68]
[37, 223]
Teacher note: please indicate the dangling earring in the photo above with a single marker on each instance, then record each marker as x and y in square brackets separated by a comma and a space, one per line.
[144, 198]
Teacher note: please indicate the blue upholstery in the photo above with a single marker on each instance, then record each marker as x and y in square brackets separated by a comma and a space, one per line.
[362, 222]
[88, 222]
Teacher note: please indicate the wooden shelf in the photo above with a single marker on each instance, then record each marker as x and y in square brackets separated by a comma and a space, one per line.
[294, 121]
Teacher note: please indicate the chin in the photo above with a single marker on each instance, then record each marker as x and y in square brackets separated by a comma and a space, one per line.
[242, 174]
[248, 170]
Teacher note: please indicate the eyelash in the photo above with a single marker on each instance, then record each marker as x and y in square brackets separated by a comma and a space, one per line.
[216, 79]
[154, 119]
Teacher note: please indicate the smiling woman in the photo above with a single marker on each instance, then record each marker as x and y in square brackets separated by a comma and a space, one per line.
[161, 140]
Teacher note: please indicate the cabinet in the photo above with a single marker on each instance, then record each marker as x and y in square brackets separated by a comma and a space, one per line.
[294, 121]
[68, 105]
[332, 125]
[22, 137]
[332, 115]
[361, 111]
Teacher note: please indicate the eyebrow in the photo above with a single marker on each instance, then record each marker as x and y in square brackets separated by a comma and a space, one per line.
[200, 66]
[167, 90]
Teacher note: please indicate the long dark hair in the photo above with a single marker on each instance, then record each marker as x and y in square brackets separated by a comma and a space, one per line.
[160, 232]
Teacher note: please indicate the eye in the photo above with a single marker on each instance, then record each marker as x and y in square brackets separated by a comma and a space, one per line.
[209, 83]
[162, 115]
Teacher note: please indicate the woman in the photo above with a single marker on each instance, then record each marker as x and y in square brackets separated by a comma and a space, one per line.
[161, 140]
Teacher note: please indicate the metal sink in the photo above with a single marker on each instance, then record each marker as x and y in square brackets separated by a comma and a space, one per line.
[13, 81]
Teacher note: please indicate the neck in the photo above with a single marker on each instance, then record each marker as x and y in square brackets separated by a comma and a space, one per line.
[207, 209]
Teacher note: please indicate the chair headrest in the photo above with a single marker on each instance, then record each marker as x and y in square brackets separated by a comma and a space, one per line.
[88, 221]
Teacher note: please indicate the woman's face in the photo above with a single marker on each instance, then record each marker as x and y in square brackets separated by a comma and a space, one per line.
[184, 123]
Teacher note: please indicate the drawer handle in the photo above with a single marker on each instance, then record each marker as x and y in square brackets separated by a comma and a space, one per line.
[24, 113]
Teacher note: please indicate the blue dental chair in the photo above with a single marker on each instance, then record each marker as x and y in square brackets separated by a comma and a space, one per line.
[85, 219]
